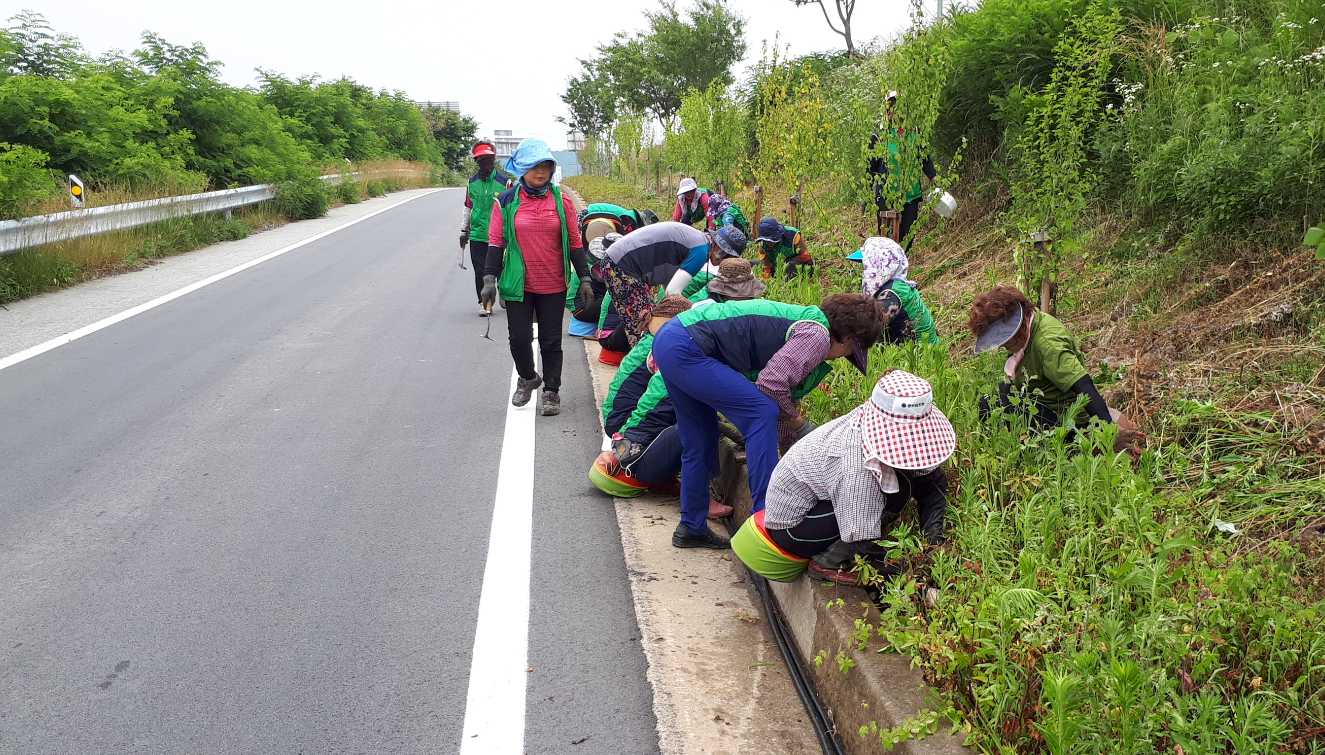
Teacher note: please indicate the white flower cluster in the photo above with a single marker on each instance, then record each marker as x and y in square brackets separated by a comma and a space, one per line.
[1315, 57]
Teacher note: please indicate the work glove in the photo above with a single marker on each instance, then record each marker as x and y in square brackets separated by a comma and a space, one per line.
[805, 429]
[489, 293]
[626, 450]
[464, 238]
[586, 293]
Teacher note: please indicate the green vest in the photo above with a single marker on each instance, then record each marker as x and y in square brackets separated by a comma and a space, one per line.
[511, 283]
[784, 250]
[482, 193]
[895, 163]
[744, 335]
[738, 219]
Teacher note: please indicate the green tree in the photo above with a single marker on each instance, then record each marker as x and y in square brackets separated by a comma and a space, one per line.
[712, 136]
[651, 71]
[590, 100]
[35, 49]
[452, 133]
[844, 9]
[237, 137]
[23, 178]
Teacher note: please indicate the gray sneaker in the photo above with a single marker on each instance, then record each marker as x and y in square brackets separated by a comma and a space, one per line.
[524, 390]
[551, 404]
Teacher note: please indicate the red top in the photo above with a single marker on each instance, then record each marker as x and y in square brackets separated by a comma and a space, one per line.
[538, 230]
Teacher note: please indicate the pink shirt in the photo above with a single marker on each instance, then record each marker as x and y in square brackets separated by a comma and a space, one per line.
[538, 230]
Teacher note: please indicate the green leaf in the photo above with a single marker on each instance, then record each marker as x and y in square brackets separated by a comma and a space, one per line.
[1171, 37]
[1230, 38]
[1320, 251]
[1314, 236]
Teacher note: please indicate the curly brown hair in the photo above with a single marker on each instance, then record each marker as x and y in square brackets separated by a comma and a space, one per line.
[996, 305]
[853, 317]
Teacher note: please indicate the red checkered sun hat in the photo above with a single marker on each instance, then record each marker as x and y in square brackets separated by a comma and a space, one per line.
[901, 427]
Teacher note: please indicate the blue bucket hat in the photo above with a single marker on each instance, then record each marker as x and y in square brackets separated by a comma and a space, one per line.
[531, 152]
[730, 240]
[770, 230]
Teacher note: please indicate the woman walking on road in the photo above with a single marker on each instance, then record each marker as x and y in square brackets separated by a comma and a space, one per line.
[482, 192]
[533, 243]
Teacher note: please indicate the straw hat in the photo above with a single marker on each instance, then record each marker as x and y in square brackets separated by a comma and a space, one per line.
[735, 279]
[901, 427]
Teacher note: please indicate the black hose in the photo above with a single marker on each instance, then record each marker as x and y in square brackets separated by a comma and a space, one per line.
[820, 718]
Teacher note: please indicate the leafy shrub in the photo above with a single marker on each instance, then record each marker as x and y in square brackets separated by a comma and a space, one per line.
[347, 191]
[303, 200]
[375, 188]
[23, 178]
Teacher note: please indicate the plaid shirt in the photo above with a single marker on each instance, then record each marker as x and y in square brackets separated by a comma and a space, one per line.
[806, 348]
[827, 465]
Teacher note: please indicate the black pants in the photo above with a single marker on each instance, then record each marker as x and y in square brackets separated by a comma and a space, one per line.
[617, 342]
[520, 326]
[909, 215]
[478, 259]
[818, 530]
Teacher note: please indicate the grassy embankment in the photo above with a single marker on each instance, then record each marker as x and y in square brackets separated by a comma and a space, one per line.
[1089, 604]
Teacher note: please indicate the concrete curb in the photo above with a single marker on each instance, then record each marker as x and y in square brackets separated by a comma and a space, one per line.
[886, 682]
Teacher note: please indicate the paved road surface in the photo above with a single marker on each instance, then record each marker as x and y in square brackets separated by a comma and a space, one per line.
[255, 520]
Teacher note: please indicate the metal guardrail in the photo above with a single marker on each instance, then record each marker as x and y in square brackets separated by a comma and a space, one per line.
[62, 226]
[25, 233]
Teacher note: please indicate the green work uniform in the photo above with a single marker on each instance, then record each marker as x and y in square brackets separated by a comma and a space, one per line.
[895, 163]
[1053, 362]
[787, 246]
[921, 318]
[511, 283]
[482, 193]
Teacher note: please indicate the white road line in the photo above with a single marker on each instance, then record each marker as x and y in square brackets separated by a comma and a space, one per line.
[74, 335]
[495, 705]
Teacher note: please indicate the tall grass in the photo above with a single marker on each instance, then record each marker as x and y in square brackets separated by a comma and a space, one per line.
[1092, 606]
[66, 263]
[1087, 604]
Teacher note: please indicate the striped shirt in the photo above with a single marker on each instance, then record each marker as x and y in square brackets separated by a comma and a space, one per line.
[828, 465]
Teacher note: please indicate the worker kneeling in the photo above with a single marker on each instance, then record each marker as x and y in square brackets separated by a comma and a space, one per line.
[832, 492]
[640, 419]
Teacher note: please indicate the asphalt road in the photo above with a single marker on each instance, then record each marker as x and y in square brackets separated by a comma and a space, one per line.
[255, 520]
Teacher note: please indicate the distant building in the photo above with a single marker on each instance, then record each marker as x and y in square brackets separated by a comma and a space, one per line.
[568, 161]
[505, 143]
[454, 107]
[574, 141]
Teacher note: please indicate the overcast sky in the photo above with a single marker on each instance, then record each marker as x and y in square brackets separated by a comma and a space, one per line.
[506, 63]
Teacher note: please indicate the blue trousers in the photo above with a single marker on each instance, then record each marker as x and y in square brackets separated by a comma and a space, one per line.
[661, 460]
[700, 387]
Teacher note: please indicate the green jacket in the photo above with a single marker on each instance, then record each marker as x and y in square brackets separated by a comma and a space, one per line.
[915, 307]
[1053, 362]
[511, 283]
[628, 384]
